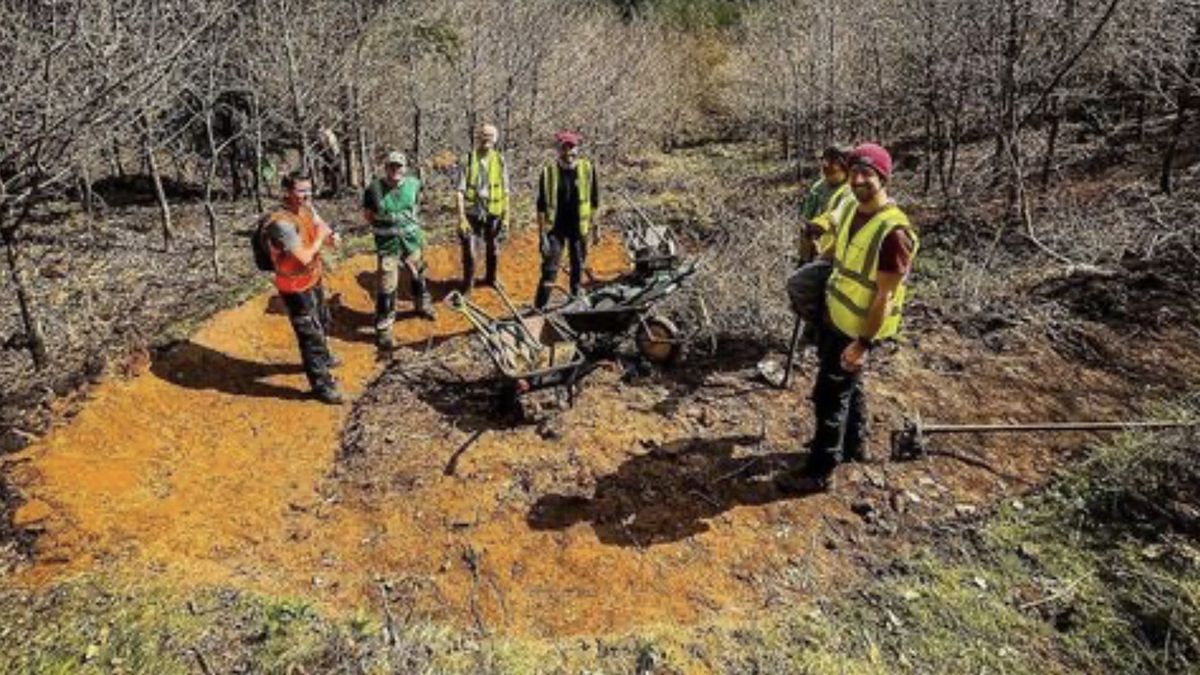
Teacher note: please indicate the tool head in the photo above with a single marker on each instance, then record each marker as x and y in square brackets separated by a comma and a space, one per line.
[908, 442]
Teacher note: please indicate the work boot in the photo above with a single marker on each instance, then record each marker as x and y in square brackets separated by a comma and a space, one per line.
[328, 394]
[425, 308]
[420, 293]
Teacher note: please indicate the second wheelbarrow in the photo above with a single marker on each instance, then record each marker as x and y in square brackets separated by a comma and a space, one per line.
[610, 311]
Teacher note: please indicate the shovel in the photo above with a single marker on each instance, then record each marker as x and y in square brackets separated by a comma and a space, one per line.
[769, 369]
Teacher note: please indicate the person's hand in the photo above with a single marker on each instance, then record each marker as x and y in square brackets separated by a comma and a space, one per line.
[854, 357]
[544, 244]
[324, 232]
[335, 240]
[464, 227]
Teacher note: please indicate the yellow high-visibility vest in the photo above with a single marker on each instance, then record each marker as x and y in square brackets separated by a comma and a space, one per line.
[583, 182]
[852, 286]
[840, 200]
[497, 199]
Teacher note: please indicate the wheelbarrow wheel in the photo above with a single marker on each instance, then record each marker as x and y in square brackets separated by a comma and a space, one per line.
[658, 340]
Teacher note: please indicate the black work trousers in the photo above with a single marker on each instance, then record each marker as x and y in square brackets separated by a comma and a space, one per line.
[311, 322]
[484, 233]
[839, 405]
[576, 245]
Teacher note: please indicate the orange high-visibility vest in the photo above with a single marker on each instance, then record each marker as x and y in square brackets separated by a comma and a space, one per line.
[290, 275]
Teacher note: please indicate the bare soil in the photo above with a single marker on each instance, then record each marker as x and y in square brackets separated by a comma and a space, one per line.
[648, 502]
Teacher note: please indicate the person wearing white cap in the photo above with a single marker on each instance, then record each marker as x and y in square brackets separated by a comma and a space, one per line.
[390, 206]
[482, 204]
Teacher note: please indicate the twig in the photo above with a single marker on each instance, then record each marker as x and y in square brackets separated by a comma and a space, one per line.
[389, 621]
[736, 472]
[712, 502]
[204, 667]
[471, 558]
[452, 465]
[1058, 595]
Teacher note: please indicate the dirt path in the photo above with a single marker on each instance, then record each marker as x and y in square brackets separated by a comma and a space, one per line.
[647, 503]
[198, 467]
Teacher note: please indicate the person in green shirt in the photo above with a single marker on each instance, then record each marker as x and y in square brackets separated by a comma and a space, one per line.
[390, 206]
[827, 195]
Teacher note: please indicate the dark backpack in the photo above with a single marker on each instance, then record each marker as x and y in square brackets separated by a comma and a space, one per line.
[260, 245]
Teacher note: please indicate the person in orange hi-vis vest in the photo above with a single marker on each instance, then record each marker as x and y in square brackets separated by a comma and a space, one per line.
[296, 235]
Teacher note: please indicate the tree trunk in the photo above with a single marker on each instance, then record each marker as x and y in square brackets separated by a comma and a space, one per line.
[210, 176]
[35, 341]
[114, 159]
[297, 102]
[416, 131]
[927, 174]
[1007, 123]
[258, 154]
[533, 97]
[87, 197]
[156, 178]
[1051, 141]
[1183, 98]
[348, 135]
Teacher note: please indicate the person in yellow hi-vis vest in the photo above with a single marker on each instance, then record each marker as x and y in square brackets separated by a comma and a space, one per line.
[872, 256]
[482, 204]
[568, 196]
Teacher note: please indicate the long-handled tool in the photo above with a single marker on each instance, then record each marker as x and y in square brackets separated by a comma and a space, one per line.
[797, 331]
[910, 442]
[769, 368]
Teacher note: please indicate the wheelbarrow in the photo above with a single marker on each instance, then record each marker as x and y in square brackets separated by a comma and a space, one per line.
[531, 352]
[651, 247]
[606, 314]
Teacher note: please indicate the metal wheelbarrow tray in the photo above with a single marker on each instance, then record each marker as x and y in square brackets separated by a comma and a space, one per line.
[628, 302]
[531, 352]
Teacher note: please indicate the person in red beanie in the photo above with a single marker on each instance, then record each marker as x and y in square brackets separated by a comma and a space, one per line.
[872, 257]
[567, 197]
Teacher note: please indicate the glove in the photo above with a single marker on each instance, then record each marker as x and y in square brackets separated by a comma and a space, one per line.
[464, 227]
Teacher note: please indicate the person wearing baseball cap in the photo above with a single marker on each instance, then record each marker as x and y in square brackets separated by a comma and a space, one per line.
[872, 256]
[568, 195]
[482, 204]
[390, 208]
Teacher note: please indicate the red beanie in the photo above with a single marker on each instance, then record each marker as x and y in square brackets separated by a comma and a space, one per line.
[566, 138]
[873, 157]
